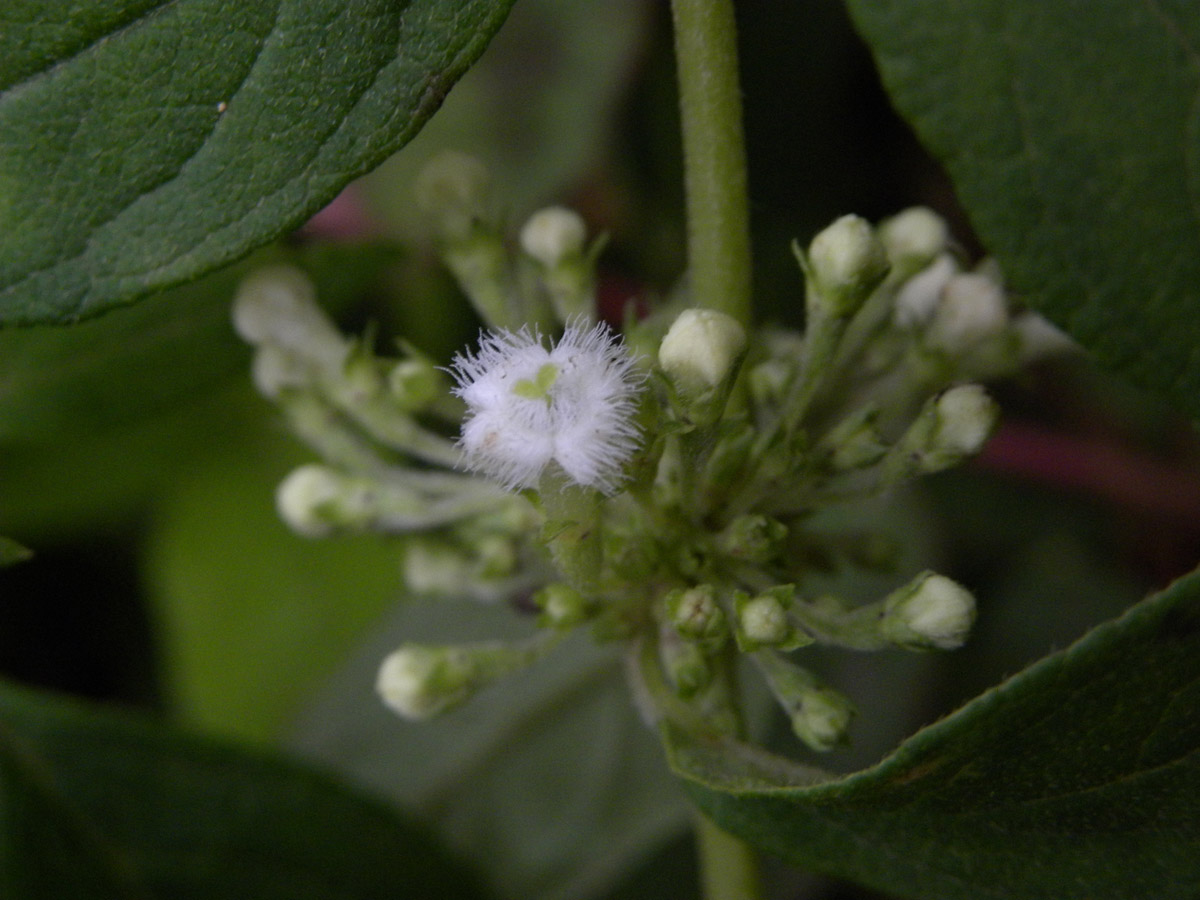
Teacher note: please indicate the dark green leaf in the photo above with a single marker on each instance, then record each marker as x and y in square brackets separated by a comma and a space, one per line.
[1070, 131]
[95, 804]
[251, 616]
[12, 552]
[143, 143]
[1077, 778]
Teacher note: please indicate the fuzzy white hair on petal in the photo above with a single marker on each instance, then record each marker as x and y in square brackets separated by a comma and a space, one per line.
[528, 405]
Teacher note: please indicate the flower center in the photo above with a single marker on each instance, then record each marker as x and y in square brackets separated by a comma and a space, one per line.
[538, 387]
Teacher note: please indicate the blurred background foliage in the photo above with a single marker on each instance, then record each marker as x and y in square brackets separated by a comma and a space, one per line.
[139, 466]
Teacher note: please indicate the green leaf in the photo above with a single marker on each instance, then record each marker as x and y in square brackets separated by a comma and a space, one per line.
[548, 780]
[252, 617]
[557, 102]
[1075, 779]
[143, 143]
[1070, 131]
[97, 416]
[94, 804]
[11, 552]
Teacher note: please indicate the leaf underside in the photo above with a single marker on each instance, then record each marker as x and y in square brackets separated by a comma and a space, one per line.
[144, 142]
[1077, 778]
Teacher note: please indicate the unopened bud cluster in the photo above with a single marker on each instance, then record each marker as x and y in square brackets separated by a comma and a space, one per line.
[659, 488]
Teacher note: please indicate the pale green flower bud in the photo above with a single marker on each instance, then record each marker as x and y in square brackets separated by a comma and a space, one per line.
[819, 714]
[697, 616]
[562, 606]
[316, 501]
[966, 417]
[930, 612]
[274, 371]
[685, 664]
[919, 296]
[845, 263]
[420, 682]
[914, 237]
[855, 442]
[764, 621]
[701, 351]
[414, 383]
[753, 538]
[437, 568]
[278, 306]
[950, 427]
[823, 719]
[453, 188]
[552, 235]
[972, 309]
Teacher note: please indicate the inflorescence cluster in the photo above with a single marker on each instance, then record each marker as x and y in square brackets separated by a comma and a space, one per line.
[658, 488]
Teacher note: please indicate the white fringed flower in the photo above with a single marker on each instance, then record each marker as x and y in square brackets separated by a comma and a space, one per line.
[529, 406]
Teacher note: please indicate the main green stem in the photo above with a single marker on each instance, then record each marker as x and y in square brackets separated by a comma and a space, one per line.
[728, 868]
[718, 227]
[714, 156]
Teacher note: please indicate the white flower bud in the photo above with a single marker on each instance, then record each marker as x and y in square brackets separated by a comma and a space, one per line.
[701, 350]
[277, 306]
[966, 416]
[434, 567]
[823, 719]
[274, 371]
[931, 612]
[1039, 337]
[419, 682]
[764, 620]
[307, 497]
[553, 234]
[919, 297]
[972, 309]
[914, 237]
[453, 188]
[846, 262]
[819, 714]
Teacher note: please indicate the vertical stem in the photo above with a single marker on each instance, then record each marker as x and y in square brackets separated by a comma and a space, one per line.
[714, 156]
[718, 225]
[729, 868]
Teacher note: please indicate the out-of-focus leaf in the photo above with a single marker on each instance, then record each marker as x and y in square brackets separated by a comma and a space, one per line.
[96, 416]
[537, 109]
[1070, 131]
[11, 552]
[146, 142]
[98, 805]
[1075, 779]
[251, 615]
[547, 780]
[62, 383]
